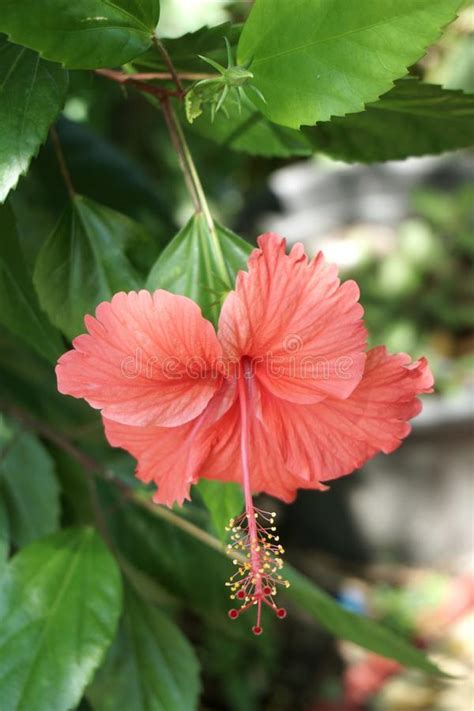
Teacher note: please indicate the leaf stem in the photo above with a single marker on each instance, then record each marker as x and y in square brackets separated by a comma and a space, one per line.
[182, 152]
[203, 206]
[62, 162]
[167, 76]
[187, 162]
[160, 47]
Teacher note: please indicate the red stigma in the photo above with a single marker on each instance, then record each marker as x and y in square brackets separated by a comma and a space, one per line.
[258, 560]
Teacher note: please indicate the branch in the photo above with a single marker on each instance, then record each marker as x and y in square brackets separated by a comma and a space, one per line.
[122, 78]
[167, 76]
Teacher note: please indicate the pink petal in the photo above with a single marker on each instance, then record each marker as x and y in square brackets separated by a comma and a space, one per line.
[172, 457]
[299, 325]
[332, 438]
[147, 359]
[169, 456]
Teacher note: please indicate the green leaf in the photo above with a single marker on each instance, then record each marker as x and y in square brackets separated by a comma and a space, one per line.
[313, 59]
[356, 628]
[82, 35]
[20, 311]
[101, 172]
[29, 486]
[4, 534]
[186, 568]
[82, 263]
[223, 501]
[60, 601]
[32, 94]
[184, 51]
[413, 119]
[251, 132]
[150, 667]
[200, 264]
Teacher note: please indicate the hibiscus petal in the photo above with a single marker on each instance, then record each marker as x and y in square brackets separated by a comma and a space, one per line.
[147, 359]
[300, 327]
[332, 438]
[169, 456]
[172, 457]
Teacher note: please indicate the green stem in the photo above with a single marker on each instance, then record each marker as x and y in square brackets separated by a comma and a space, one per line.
[187, 162]
[62, 162]
[194, 184]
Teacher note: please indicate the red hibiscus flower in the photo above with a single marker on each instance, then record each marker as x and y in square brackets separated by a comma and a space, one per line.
[283, 396]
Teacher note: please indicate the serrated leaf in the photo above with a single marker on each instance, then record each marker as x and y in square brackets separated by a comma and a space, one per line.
[223, 501]
[82, 263]
[32, 94]
[150, 667]
[19, 308]
[82, 35]
[200, 264]
[207, 41]
[413, 119]
[313, 59]
[357, 628]
[28, 485]
[60, 600]
[251, 132]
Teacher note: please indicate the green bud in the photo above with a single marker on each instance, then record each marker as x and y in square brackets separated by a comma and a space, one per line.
[237, 76]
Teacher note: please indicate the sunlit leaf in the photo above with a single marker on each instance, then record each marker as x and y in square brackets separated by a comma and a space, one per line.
[60, 600]
[32, 93]
[313, 59]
